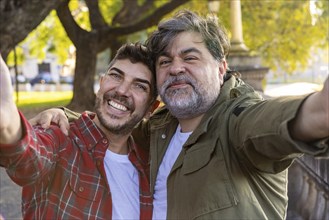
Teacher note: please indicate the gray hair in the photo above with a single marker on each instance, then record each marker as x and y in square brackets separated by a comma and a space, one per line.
[214, 35]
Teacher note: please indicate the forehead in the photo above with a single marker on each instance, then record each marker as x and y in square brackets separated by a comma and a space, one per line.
[186, 40]
[133, 70]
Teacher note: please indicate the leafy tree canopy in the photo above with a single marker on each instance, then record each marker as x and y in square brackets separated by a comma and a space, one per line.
[284, 33]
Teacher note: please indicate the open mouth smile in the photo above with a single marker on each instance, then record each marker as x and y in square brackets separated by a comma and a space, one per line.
[117, 106]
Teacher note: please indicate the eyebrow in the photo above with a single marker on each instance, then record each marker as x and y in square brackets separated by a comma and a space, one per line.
[135, 79]
[190, 50]
[184, 51]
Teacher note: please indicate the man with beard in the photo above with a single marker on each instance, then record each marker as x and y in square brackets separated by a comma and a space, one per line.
[218, 149]
[97, 171]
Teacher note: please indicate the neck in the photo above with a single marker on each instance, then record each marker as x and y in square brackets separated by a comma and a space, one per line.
[117, 143]
[190, 124]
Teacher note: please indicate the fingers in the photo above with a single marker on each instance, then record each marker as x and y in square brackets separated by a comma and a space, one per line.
[63, 123]
[42, 119]
[56, 116]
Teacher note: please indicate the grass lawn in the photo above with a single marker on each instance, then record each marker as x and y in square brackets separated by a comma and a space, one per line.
[42, 99]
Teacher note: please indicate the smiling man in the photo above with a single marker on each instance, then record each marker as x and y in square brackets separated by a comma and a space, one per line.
[218, 149]
[97, 171]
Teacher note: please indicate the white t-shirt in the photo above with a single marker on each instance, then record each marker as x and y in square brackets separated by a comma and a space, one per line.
[160, 192]
[122, 177]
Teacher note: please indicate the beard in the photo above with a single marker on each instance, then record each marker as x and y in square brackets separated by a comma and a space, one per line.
[105, 119]
[185, 103]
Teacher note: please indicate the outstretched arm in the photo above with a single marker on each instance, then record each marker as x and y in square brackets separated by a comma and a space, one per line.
[10, 123]
[312, 121]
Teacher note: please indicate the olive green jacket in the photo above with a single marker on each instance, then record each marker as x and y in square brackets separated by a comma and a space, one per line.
[234, 165]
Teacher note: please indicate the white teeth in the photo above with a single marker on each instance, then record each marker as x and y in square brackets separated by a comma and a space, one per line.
[117, 106]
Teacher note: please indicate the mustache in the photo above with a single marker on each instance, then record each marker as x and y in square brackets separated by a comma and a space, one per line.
[178, 79]
[123, 100]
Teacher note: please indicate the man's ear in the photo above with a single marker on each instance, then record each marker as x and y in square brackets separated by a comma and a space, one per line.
[101, 78]
[222, 70]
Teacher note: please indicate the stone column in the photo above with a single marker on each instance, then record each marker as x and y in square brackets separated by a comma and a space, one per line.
[237, 44]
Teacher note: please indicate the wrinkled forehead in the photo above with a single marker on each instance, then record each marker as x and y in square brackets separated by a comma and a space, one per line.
[182, 43]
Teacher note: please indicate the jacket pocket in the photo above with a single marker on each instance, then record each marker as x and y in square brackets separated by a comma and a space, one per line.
[86, 185]
[202, 186]
[196, 159]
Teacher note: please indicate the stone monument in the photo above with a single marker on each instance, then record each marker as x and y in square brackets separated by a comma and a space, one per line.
[239, 57]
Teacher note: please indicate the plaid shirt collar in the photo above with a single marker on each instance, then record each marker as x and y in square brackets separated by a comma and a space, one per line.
[137, 155]
[93, 137]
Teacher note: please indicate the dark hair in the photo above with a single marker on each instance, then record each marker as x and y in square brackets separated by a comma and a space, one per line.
[137, 53]
[214, 35]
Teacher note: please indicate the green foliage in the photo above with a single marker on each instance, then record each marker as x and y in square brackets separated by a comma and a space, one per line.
[80, 13]
[20, 57]
[109, 9]
[283, 33]
[48, 37]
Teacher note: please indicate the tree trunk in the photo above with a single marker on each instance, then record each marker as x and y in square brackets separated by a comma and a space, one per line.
[83, 89]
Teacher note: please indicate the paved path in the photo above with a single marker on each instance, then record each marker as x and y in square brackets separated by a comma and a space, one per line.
[10, 197]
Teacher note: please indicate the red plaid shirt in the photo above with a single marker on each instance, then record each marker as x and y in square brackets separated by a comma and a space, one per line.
[64, 177]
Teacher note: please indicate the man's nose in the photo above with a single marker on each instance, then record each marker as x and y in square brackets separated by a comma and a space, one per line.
[177, 67]
[123, 88]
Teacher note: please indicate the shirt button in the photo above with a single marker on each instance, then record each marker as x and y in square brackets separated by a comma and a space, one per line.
[104, 141]
[163, 136]
[81, 189]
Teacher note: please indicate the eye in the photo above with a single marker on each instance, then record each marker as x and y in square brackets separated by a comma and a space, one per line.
[114, 76]
[190, 58]
[163, 61]
[141, 87]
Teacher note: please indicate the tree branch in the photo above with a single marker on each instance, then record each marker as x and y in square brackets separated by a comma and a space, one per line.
[73, 30]
[148, 21]
[126, 15]
[96, 19]
[16, 21]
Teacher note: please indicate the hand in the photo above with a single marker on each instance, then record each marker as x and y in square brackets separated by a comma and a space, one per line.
[53, 115]
[325, 103]
[325, 93]
[312, 120]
